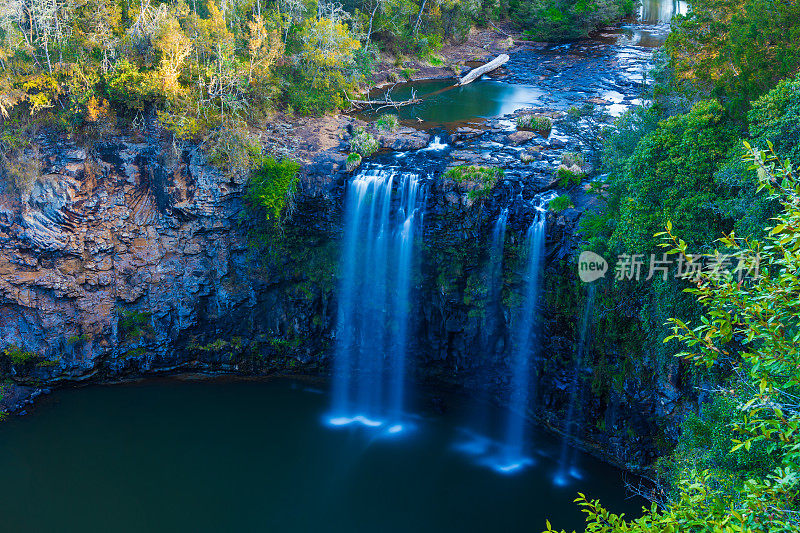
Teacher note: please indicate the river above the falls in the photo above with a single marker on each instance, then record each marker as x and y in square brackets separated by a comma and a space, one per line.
[442, 104]
[230, 455]
[608, 70]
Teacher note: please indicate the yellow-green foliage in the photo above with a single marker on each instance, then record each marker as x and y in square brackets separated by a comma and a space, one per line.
[199, 64]
[326, 74]
[202, 62]
[19, 357]
[387, 122]
[271, 190]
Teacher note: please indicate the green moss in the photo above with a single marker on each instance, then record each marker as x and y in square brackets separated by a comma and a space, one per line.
[485, 175]
[353, 162]
[75, 339]
[480, 180]
[133, 325]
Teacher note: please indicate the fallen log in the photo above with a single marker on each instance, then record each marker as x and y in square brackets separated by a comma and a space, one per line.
[476, 73]
[385, 103]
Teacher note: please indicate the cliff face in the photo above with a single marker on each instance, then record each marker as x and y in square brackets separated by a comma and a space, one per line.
[121, 258]
[127, 259]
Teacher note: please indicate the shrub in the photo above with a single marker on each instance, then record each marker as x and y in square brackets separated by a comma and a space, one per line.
[387, 122]
[232, 149]
[272, 187]
[567, 177]
[485, 175]
[131, 87]
[561, 203]
[363, 143]
[19, 357]
[133, 324]
[480, 180]
[408, 73]
[22, 167]
[570, 159]
[534, 123]
[428, 46]
[316, 99]
[353, 162]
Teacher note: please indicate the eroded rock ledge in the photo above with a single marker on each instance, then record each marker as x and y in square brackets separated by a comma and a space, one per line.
[127, 246]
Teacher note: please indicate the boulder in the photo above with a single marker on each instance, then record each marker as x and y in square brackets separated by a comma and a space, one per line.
[520, 137]
[404, 139]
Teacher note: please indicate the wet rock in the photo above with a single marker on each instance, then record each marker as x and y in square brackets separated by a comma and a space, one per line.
[404, 139]
[521, 137]
[463, 133]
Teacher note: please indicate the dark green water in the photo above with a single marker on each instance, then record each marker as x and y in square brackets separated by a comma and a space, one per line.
[445, 105]
[172, 456]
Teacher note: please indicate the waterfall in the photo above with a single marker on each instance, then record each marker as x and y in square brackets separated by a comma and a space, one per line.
[382, 213]
[495, 318]
[478, 439]
[567, 464]
[525, 350]
[436, 145]
[661, 11]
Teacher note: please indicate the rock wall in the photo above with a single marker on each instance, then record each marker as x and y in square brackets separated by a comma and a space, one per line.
[126, 258]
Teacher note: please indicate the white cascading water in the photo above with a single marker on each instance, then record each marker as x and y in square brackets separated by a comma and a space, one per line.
[478, 438]
[383, 210]
[567, 464]
[525, 350]
[494, 304]
[661, 11]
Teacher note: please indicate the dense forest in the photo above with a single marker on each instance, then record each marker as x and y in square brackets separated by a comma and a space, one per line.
[206, 71]
[202, 65]
[704, 169]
